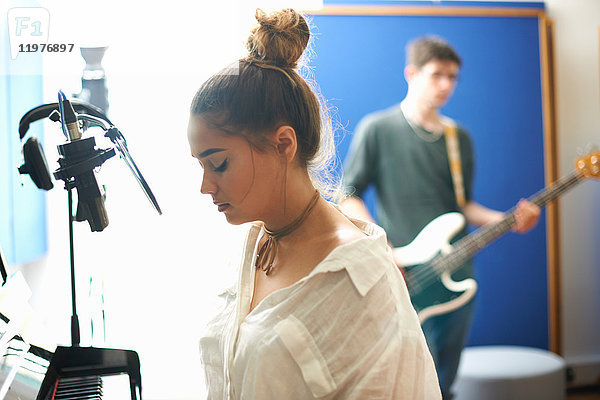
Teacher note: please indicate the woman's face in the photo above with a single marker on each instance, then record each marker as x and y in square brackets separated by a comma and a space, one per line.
[245, 184]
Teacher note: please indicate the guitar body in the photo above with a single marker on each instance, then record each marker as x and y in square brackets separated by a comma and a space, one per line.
[434, 238]
[442, 294]
[430, 258]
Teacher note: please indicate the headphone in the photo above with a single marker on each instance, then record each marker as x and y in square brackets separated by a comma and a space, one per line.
[35, 164]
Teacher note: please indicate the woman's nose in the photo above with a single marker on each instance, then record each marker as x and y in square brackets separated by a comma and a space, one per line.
[207, 186]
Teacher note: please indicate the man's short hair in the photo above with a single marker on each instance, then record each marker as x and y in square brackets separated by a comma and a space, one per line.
[426, 48]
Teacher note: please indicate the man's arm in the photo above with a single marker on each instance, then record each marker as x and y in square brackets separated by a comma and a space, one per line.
[527, 215]
[479, 215]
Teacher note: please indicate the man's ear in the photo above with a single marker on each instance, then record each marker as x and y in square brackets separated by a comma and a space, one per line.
[285, 142]
[410, 71]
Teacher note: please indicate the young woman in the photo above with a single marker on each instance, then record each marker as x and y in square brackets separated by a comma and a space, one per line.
[320, 310]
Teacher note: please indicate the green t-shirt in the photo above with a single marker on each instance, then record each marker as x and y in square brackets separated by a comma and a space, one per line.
[411, 175]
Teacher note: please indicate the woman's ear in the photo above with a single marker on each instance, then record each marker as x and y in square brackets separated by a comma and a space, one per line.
[285, 142]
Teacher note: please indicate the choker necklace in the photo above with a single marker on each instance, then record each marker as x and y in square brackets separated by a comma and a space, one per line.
[268, 251]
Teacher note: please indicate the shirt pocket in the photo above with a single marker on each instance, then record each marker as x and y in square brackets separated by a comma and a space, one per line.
[304, 350]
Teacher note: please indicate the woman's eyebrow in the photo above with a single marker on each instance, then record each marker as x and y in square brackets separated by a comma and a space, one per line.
[210, 151]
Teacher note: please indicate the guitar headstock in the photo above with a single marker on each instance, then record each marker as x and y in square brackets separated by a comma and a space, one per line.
[589, 164]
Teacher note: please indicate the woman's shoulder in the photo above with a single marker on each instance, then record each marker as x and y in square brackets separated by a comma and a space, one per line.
[347, 232]
[349, 228]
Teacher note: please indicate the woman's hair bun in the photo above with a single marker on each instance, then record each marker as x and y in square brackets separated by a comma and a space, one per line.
[279, 38]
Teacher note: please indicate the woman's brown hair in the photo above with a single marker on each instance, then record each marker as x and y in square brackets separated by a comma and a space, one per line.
[267, 91]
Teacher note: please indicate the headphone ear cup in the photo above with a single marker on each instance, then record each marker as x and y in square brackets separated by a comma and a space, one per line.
[35, 164]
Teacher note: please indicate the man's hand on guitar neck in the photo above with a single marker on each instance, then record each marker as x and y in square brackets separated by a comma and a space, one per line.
[527, 215]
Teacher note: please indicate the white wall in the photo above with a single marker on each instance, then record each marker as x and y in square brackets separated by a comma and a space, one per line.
[577, 52]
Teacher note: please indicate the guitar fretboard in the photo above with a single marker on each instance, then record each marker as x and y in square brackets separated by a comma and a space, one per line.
[465, 248]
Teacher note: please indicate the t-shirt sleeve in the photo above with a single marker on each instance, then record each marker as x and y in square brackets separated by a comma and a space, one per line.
[360, 163]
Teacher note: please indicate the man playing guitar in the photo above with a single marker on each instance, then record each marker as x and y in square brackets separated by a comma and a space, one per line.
[404, 152]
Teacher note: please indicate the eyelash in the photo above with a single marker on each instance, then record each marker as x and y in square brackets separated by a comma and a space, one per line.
[222, 167]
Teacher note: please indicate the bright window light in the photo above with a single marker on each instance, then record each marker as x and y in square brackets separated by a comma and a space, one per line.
[147, 282]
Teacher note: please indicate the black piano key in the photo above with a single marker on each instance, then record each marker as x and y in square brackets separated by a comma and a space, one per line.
[79, 381]
[80, 392]
[83, 388]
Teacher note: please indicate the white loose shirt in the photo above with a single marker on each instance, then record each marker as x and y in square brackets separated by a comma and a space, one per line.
[345, 331]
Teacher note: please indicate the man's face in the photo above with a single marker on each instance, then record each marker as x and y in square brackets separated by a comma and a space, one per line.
[434, 83]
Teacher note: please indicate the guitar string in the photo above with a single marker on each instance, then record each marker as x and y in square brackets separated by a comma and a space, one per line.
[431, 274]
[450, 262]
[540, 198]
[425, 276]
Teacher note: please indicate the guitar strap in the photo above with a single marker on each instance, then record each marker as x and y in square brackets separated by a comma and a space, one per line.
[453, 150]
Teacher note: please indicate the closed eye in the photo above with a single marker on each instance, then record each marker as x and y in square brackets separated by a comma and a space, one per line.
[222, 167]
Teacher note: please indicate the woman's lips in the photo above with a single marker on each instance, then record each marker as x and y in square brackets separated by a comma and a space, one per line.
[222, 207]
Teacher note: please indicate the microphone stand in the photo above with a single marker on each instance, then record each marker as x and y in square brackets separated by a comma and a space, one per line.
[79, 159]
[77, 361]
[80, 156]
[75, 336]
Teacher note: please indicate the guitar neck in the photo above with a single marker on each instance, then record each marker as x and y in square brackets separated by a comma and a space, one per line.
[465, 248]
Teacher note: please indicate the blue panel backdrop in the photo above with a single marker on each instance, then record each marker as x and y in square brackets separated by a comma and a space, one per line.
[22, 205]
[358, 63]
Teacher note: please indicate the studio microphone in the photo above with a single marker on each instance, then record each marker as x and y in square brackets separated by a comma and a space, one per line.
[79, 157]
[71, 122]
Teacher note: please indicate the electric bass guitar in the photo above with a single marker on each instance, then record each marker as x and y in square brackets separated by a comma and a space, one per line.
[429, 259]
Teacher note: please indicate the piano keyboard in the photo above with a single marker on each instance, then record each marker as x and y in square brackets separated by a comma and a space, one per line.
[28, 372]
[37, 380]
[111, 387]
[87, 387]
